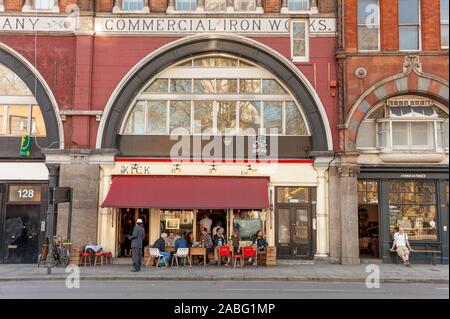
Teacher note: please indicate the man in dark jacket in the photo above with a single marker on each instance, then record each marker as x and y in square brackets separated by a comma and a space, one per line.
[137, 240]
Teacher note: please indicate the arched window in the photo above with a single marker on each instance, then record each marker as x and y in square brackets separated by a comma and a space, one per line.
[19, 112]
[405, 123]
[215, 94]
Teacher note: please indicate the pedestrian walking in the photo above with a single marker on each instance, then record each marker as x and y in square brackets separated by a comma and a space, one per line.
[137, 240]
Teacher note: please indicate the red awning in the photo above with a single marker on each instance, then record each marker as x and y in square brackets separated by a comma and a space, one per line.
[188, 192]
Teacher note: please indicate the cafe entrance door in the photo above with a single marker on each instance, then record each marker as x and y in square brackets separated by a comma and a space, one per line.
[294, 219]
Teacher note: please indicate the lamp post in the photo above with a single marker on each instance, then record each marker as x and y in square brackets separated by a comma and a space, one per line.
[53, 176]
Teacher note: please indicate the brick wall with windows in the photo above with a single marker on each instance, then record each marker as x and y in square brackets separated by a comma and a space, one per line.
[158, 6]
[272, 6]
[13, 5]
[327, 6]
[104, 5]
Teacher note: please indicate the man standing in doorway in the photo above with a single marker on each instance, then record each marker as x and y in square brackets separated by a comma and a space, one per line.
[206, 222]
[137, 240]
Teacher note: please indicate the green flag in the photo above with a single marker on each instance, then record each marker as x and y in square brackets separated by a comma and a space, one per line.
[25, 146]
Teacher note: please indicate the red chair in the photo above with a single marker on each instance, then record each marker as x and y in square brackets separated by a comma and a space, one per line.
[102, 256]
[224, 251]
[249, 252]
[85, 257]
[241, 260]
[108, 257]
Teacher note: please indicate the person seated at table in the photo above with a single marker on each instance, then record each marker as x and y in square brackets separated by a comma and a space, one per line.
[188, 238]
[160, 243]
[180, 242]
[219, 241]
[236, 242]
[170, 240]
[208, 242]
[260, 242]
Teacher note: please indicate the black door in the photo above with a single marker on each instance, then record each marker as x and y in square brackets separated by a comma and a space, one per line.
[294, 233]
[21, 234]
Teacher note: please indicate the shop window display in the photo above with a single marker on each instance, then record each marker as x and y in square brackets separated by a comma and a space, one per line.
[413, 206]
[248, 222]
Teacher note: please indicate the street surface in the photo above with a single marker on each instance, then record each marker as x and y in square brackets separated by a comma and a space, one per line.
[136, 289]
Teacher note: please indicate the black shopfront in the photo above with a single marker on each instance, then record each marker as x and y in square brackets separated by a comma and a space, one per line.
[22, 220]
[414, 198]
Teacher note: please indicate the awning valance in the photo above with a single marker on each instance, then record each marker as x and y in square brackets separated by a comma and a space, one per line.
[188, 192]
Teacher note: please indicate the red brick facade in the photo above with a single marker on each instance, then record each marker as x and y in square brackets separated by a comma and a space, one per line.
[389, 61]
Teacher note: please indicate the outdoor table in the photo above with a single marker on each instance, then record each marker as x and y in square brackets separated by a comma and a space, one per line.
[196, 251]
[95, 248]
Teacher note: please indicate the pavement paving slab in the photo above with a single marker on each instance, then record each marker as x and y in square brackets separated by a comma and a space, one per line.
[308, 272]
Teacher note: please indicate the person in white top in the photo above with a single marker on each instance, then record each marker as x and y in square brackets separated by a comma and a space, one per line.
[206, 222]
[401, 243]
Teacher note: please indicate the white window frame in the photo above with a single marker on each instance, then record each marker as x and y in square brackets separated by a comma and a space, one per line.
[197, 8]
[419, 31]
[443, 22]
[197, 73]
[118, 7]
[29, 6]
[287, 10]
[379, 30]
[2, 6]
[307, 53]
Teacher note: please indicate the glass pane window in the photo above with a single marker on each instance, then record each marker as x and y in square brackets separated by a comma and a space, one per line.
[132, 5]
[383, 134]
[18, 116]
[295, 124]
[180, 116]
[44, 4]
[245, 5]
[271, 87]
[157, 117]
[37, 122]
[250, 86]
[181, 85]
[226, 116]
[292, 195]
[11, 84]
[203, 117]
[209, 62]
[444, 23]
[215, 5]
[186, 5]
[368, 25]
[298, 5]
[204, 86]
[367, 192]
[250, 117]
[136, 120]
[247, 223]
[299, 39]
[443, 134]
[413, 206]
[409, 24]
[158, 86]
[227, 86]
[422, 134]
[400, 134]
[273, 117]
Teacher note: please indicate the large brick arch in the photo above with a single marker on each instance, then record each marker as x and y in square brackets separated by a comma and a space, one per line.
[41, 92]
[411, 82]
[166, 56]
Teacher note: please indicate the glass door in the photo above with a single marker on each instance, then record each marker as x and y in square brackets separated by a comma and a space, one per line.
[294, 233]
